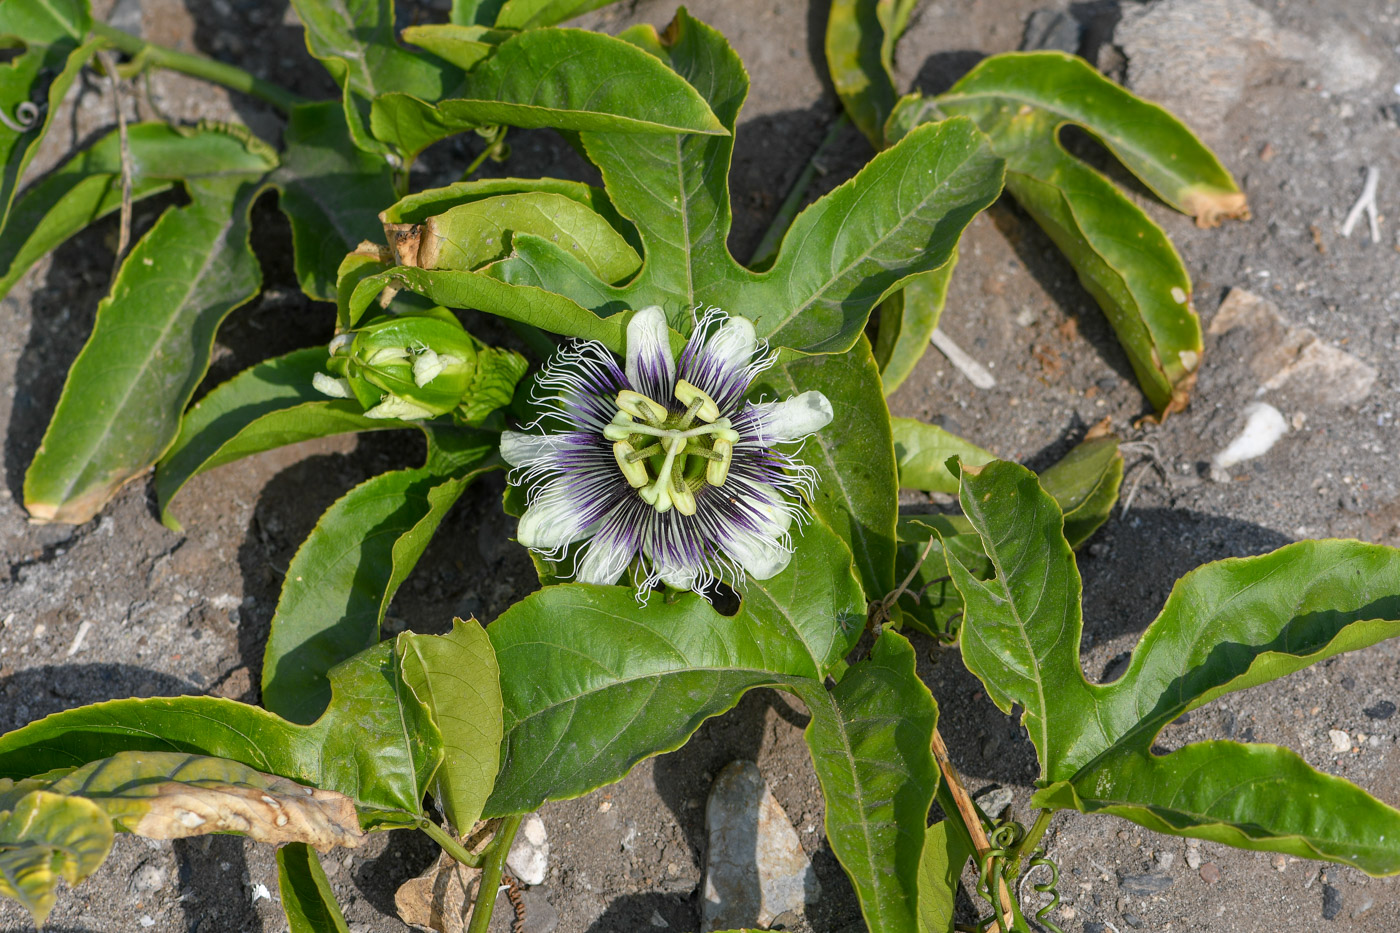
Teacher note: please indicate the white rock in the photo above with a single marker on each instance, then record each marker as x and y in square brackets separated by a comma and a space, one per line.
[1341, 742]
[528, 859]
[995, 801]
[755, 869]
[260, 892]
[1263, 426]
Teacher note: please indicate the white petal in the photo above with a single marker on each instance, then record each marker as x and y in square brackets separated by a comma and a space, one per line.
[426, 368]
[400, 408]
[519, 449]
[678, 578]
[733, 343]
[793, 418]
[650, 367]
[760, 556]
[329, 385]
[603, 562]
[552, 522]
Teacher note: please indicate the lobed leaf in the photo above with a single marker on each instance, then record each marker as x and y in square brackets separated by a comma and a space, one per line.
[121, 404]
[376, 743]
[1022, 100]
[860, 41]
[592, 683]
[870, 741]
[457, 677]
[1226, 626]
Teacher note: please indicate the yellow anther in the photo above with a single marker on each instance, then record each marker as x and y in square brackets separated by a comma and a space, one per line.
[635, 471]
[688, 395]
[621, 427]
[657, 496]
[717, 471]
[638, 405]
[682, 498]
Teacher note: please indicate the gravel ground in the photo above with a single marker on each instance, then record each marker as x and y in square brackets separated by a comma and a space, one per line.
[1298, 98]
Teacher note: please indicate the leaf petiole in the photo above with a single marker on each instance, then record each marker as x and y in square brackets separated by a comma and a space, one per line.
[199, 67]
[450, 845]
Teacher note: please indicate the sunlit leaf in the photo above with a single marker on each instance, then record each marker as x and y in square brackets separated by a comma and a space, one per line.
[121, 405]
[592, 683]
[1226, 626]
[922, 451]
[908, 319]
[456, 676]
[860, 41]
[376, 743]
[870, 737]
[531, 14]
[1084, 483]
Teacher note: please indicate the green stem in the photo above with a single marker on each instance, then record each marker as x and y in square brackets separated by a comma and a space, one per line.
[491, 875]
[200, 67]
[767, 249]
[451, 846]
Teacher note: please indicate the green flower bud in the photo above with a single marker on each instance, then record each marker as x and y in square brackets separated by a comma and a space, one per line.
[411, 366]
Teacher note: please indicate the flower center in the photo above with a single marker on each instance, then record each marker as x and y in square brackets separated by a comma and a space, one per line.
[666, 455]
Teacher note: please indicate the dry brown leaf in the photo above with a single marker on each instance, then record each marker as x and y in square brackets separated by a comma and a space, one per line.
[440, 899]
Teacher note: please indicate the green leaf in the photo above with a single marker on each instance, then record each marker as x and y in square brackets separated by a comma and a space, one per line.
[946, 851]
[456, 676]
[354, 39]
[463, 45]
[592, 683]
[908, 319]
[342, 578]
[870, 741]
[1226, 626]
[472, 234]
[33, 84]
[331, 191]
[526, 304]
[417, 207]
[46, 837]
[88, 186]
[306, 892]
[376, 742]
[1123, 259]
[900, 216]
[270, 405]
[939, 605]
[857, 482]
[121, 405]
[1085, 485]
[532, 14]
[567, 79]
[860, 40]
[922, 452]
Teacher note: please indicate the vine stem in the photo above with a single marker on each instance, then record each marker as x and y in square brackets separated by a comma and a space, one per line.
[451, 846]
[199, 67]
[1030, 841]
[491, 874]
[968, 811]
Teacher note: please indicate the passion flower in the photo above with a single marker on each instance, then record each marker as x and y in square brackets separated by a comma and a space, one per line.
[661, 463]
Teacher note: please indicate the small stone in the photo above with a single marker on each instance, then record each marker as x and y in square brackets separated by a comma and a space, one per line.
[1210, 874]
[1052, 29]
[994, 801]
[1193, 859]
[1331, 902]
[657, 920]
[1367, 902]
[1165, 859]
[147, 921]
[755, 867]
[1341, 742]
[148, 878]
[540, 915]
[1279, 862]
[529, 854]
[1382, 710]
[1133, 920]
[1146, 885]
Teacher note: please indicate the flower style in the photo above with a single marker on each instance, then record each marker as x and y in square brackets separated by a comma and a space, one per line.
[663, 460]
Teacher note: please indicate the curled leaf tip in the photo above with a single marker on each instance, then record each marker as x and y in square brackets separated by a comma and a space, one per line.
[1210, 206]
